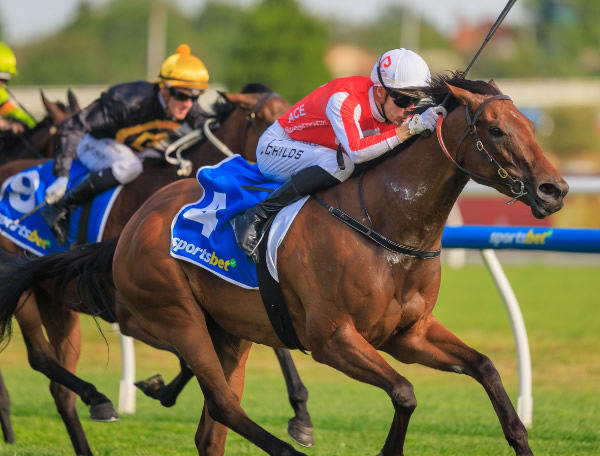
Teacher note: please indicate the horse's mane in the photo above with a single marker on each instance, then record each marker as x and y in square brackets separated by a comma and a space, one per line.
[437, 89]
[223, 107]
[435, 93]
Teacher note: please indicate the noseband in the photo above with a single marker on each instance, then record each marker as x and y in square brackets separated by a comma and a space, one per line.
[516, 186]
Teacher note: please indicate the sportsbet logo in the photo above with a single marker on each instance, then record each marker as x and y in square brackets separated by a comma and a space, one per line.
[221, 264]
[202, 254]
[519, 238]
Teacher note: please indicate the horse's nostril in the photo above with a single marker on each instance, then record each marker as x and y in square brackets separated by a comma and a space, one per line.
[550, 190]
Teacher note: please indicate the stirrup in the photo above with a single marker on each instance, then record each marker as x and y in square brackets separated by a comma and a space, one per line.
[254, 254]
[57, 219]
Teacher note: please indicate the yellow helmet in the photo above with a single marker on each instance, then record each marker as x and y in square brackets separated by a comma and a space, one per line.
[8, 62]
[183, 70]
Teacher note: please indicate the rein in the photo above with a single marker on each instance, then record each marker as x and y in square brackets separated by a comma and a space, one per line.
[472, 129]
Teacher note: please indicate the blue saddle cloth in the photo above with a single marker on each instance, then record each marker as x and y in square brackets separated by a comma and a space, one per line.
[25, 190]
[201, 233]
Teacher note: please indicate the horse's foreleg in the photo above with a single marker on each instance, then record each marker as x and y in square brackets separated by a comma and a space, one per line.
[300, 427]
[7, 430]
[347, 351]
[433, 345]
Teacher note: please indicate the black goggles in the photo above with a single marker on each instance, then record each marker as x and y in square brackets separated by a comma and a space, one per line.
[402, 100]
[179, 95]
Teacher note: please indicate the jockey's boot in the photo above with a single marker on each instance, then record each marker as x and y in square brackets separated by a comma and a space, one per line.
[248, 227]
[57, 215]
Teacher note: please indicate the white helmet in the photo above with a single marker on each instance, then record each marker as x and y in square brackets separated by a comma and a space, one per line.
[400, 69]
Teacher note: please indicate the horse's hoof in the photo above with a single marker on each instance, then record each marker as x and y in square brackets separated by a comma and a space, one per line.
[151, 385]
[301, 434]
[104, 413]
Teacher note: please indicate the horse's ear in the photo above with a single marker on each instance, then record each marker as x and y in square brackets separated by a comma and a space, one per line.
[51, 108]
[493, 84]
[464, 96]
[243, 100]
[73, 102]
[44, 100]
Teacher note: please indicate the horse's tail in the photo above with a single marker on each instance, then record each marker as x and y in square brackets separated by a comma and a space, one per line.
[90, 264]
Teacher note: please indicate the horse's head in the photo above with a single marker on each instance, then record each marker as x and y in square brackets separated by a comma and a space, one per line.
[497, 147]
[256, 107]
[40, 140]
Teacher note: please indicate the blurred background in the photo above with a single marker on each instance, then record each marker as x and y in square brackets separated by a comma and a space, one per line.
[546, 56]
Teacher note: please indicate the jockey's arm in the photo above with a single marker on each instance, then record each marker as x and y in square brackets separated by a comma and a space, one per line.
[342, 113]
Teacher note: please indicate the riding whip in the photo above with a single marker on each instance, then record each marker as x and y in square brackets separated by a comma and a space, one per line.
[495, 26]
[503, 14]
[12, 95]
[23, 217]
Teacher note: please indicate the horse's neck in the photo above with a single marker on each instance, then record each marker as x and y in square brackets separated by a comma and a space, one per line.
[410, 196]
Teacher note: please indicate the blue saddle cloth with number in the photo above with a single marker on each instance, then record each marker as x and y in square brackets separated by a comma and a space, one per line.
[201, 233]
[22, 192]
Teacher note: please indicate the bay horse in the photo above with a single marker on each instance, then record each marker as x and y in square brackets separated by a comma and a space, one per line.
[247, 115]
[38, 142]
[348, 297]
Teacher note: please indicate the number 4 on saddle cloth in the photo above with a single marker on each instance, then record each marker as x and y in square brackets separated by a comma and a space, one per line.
[201, 233]
[21, 193]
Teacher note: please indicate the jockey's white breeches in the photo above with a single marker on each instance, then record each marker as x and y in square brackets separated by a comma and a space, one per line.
[97, 154]
[279, 156]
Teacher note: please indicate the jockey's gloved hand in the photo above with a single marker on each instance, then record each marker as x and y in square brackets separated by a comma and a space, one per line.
[56, 191]
[426, 121]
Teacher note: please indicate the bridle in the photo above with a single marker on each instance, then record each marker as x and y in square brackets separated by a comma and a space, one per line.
[251, 115]
[516, 186]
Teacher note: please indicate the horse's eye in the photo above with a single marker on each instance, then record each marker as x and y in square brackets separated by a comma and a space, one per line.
[496, 132]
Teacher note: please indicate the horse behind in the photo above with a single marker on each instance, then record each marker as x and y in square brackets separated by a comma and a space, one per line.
[356, 297]
[39, 141]
[244, 116]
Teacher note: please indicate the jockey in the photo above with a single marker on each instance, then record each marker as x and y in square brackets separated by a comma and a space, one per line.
[347, 121]
[126, 119]
[12, 117]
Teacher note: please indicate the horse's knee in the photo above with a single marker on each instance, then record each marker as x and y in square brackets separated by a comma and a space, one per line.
[486, 370]
[403, 397]
[38, 360]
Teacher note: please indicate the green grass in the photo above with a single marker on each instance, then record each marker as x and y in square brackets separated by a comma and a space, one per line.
[561, 309]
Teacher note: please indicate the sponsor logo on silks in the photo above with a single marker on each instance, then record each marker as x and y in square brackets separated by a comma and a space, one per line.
[23, 232]
[202, 254]
[296, 113]
[519, 238]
